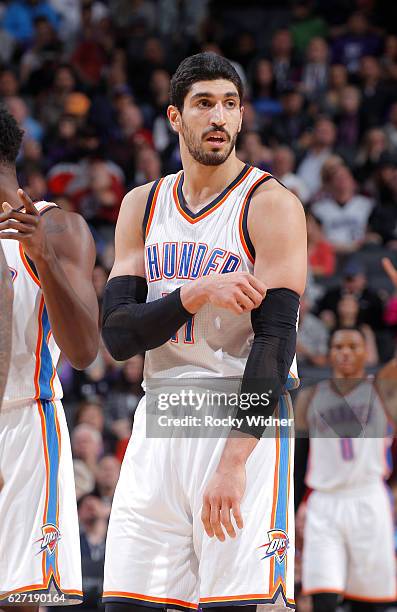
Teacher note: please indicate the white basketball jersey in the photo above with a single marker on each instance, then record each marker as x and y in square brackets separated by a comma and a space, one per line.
[34, 354]
[337, 462]
[180, 246]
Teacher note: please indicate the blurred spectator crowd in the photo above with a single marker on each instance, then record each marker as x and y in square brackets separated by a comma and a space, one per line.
[88, 82]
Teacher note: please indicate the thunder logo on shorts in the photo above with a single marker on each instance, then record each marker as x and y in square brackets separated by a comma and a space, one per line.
[49, 541]
[277, 546]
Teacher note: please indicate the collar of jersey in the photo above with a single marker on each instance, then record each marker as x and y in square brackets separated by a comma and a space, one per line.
[194, 217]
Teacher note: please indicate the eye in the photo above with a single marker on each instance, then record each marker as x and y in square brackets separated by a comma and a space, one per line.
[231, 103]
[204, 104]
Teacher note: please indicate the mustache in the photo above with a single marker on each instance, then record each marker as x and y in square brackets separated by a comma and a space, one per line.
[213, 130]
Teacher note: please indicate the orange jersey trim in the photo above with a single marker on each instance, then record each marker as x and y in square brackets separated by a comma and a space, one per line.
[29, 270]
[40, 587]
[316, 591]
[246, 200]
[53, 369]
[160, 600]
[371, 599]
[38, 348]
[213, 208]
[350, 595]
[153, 206]
[249, 597]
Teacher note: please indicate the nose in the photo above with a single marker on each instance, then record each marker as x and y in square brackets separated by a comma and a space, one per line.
[218, 117]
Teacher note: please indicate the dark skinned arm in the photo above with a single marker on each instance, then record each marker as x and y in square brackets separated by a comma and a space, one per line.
[61, 246]
[386, 378]
[6, 293]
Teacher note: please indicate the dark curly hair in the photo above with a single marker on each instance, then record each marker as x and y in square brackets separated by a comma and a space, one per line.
[201, 67]
[10, 137]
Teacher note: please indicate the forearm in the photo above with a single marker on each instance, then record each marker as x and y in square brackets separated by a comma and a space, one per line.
[237, 449]
[6, 293]
[194, 295]
[74, 326]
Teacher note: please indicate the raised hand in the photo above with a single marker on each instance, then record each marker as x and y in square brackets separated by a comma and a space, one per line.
[26, 227]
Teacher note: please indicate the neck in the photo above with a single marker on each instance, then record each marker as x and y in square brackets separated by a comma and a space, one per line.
[354, 376]
[9, 186]
[344, 198]
[348, 320]
[319, 148]
[202, 183]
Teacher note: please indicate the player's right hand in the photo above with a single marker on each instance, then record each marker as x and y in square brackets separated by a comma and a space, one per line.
[237, 291]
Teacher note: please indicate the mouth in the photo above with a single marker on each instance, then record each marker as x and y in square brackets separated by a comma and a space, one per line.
[346, 363]
[216, 138]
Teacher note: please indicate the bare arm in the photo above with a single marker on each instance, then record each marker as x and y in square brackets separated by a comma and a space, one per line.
[129, 244]
[386, 384]
[6, 292]
[386, 379]
[61, 247]
[66, 281]
[300, 410]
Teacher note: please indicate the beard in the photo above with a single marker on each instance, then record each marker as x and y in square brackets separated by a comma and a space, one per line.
[207, 158]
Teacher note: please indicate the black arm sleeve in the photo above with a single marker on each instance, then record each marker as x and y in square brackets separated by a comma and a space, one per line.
[271, 355]
[130, 325]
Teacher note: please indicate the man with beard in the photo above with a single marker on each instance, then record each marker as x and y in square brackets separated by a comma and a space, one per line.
[210, 265]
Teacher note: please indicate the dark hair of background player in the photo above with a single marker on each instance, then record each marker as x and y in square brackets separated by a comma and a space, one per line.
[10, 137]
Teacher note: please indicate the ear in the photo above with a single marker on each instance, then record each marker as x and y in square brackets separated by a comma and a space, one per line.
[174, 117]
[241, 118]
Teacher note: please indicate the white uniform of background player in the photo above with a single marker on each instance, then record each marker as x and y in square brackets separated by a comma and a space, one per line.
[348, 538]
[157, 550]
[39, 536]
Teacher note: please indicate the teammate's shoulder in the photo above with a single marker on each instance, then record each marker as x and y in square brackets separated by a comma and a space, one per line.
[51, 210]
[43, 206]
[59, 221]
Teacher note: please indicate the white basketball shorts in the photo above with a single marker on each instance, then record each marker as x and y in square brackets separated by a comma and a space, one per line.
[349, 544]
[157, 552]
[39, 536]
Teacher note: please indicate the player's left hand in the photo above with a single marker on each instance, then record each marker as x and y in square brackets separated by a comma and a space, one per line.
[222, 496]
[28, 227]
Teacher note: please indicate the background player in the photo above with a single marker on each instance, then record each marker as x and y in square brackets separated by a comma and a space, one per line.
[51, 255]
[174, 495]
[349, 511]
